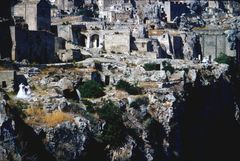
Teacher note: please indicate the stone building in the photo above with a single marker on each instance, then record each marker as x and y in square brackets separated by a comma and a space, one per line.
[35, 46]
[66, 5]
[117, 41]
[7, 80]
[89, 35]
[173, 9]
[214, 43]
[114, 10]
[143, 45]
[36, 13]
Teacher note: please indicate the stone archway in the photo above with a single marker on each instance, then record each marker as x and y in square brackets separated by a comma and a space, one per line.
[145, 20]
[94, 41]
[82, 40]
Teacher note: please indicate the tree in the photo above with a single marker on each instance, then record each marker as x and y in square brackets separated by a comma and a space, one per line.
[91, 89]
[113, 133]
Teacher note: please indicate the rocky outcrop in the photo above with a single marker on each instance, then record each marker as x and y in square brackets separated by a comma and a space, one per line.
[19, 141]
[67, 140]
[189, 115]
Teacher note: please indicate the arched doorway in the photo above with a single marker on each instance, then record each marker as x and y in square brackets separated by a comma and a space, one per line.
[82, 40]
[145, 20]
[94, 41]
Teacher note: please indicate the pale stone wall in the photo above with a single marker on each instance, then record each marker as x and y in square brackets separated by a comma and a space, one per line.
[118, 41]
[64, 4]
[143, 45]
[29, 12]
[214, 44]
[35, 46]
[31, 16]
[213, 4]
[65, 31]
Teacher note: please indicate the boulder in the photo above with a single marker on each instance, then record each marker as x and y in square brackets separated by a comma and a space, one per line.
[65, 84]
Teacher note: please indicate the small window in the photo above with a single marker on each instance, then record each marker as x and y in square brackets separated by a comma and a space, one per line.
[107, 80]
[4, 84]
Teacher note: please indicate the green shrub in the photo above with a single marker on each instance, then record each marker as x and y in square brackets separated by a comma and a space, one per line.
[113, 133]
[167, 67]
[131, 89]
[224, 59]
[151, 66]
[89, 105]
[140, 101]
[19, 106]
[91, 89]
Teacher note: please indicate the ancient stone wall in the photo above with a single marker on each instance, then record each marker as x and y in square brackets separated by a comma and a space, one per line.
[65, 31]
[118, 41]
[174, 9]
[35, 46]
[7, 80]
[64, 4]
[29, 13]
[213, 44]
[143, 45]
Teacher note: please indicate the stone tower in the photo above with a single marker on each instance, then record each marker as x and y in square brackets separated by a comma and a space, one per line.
[28, 10]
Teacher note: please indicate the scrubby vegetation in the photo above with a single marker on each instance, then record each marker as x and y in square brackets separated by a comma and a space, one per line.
[224, 59]
[140, 101]
[131, 89]
[151, 66]
[113, 133]
[89, 105]
[167, 67]
[19, 106]
[91, 89]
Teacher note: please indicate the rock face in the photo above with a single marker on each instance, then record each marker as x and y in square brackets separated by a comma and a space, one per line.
[189, 115]
[19, 141]
[67, 140]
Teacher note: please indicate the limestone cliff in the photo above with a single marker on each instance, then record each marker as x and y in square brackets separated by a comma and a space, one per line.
[191, 116]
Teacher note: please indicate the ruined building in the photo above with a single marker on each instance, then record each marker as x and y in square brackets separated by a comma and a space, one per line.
[36, 14]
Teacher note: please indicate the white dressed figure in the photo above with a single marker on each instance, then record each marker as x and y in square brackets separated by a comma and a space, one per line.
[28, 90]
[22, 93]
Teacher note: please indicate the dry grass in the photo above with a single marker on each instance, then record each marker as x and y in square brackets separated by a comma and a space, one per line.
[119, 94]
[52, 119]
[48, 70]
[147, 85]
[34, 116]
[37, 116]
